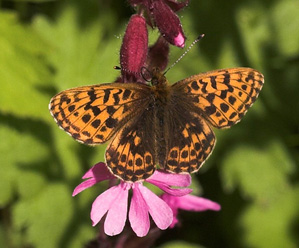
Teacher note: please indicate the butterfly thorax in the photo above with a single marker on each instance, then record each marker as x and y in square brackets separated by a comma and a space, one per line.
[160, 87]
[158, 78]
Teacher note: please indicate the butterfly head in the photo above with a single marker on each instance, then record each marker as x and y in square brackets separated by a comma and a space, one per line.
[157, 77]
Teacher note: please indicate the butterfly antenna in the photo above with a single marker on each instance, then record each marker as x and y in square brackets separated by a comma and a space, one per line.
[183, 55]
[116, 67]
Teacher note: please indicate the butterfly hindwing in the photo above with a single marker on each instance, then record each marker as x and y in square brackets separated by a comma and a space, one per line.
[93, 114]
[190, 142]
[223, 96]
[131, 153]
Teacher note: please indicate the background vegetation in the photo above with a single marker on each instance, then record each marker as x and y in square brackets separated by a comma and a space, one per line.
[49, 46]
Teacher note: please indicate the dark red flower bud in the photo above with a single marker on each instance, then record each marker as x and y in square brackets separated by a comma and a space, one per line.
[133, 51]
[168, 23]
[176, 6]
[158, 55]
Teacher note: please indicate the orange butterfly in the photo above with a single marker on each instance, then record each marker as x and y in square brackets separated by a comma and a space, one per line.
[168, 125]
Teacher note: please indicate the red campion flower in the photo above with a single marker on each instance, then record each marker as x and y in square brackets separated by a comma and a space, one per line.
[114, 201]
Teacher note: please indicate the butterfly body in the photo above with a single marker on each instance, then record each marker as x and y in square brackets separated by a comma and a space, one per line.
[158, 124]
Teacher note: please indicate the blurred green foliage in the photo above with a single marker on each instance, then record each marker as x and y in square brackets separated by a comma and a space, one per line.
[49, 46]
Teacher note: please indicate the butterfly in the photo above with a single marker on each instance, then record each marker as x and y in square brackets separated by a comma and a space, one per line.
[157, 123]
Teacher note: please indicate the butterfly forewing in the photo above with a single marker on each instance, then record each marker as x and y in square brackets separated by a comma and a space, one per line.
[93, 114]
[223, 96]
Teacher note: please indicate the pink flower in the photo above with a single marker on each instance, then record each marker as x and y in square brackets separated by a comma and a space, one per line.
[189, 203]
[144, 202]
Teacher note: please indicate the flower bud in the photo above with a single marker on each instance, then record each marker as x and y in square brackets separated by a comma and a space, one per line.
[168, 23]
[158, 55]
[133, 51]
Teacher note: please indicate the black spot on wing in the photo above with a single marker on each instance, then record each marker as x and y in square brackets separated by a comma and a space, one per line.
[86, 118]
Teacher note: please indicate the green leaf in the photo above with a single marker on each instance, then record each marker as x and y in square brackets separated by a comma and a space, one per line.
[284, 17]
[260, 173]
[255, 32]
[19, 150]
[46, 216]
[78, 53]
[270, 225]
[23, 72]
[180, 244]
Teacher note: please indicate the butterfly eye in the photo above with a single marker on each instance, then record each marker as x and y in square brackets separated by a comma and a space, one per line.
[146, 74]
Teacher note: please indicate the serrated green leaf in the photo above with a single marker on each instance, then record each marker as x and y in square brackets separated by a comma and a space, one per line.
[260, 173]
[22, 70]
[46, 216]
[78, 54]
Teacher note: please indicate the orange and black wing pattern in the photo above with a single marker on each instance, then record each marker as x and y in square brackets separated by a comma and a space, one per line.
[93, 114]
[190, 143]
[220, 98]
[131, 154]
[223, 96]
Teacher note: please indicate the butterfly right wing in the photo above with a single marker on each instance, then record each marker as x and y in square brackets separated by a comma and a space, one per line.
[222, 96]
[93, 114]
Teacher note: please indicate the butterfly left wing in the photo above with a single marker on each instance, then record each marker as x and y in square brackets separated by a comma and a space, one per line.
[222, 96]
[131, 153]
[192, 141]
[93, 114]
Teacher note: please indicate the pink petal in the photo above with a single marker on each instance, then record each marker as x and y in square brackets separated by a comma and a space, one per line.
[117, 214]
[194, 203]
[99, 171]
[164, 180]
[178, 180]
[158, 209]
[175, 220]
[171, 191]
[103, 203]
[179, 40]
[138, 214]
[188, 202]
[84, 185]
